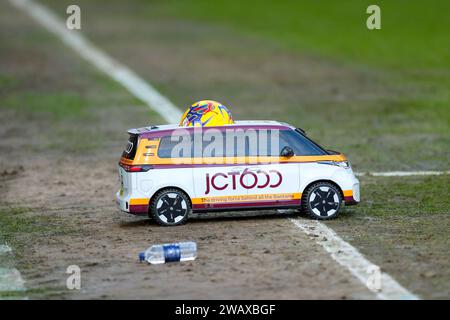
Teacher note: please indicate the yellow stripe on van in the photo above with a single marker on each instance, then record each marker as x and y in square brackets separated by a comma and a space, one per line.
[140, 159]
[348, 193]
[142, 201]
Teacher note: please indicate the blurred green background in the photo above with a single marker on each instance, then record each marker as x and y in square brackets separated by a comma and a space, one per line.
[415, 34]
[381, 97]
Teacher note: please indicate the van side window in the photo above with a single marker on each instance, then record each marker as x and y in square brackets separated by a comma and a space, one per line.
[235, 143]
[213, 144]
[271, 142]
[301, 145]
[260, 142]
[166, 147]
[238, 143]
[230, 143]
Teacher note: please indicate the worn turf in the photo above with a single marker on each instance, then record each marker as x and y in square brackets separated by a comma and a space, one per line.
[402, 225]
[386, 109]
[52, 104]
[43, 81]
[380, 114]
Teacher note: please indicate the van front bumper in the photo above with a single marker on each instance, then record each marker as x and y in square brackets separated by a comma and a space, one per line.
[352, 197]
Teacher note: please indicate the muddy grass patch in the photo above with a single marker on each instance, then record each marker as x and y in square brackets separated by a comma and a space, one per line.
[25, 230]
[402, 225]
[22, 228]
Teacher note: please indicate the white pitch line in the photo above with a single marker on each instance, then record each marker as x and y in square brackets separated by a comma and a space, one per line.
[349, 257]
[341, 251]
[402, 173]
[10, 278]
[102, 61]
[4, 249]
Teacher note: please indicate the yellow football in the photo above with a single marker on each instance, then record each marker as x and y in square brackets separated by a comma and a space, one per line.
[206, 113]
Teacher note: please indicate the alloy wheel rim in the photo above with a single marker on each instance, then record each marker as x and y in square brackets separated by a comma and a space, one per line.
[324, 201]
[171, 207]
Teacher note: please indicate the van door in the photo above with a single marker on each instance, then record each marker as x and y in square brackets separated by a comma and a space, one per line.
[218, 180]
[277, 180]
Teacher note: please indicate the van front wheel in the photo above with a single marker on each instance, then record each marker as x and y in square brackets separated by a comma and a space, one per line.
[170, 207]
[322, 201]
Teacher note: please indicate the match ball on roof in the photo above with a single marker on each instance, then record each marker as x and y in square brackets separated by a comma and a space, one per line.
[206, 113]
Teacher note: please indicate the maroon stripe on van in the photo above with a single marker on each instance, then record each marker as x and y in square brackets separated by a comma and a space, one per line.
[161, 133]
[139, 209]
[350, 200]
[206, 206]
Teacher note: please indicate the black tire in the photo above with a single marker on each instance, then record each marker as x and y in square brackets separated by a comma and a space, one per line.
[170, 207]
[322, 201]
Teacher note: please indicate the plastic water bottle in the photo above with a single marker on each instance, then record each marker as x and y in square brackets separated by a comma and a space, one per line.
[170, 252]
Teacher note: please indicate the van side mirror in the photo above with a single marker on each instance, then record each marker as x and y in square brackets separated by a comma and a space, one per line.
[287, 152]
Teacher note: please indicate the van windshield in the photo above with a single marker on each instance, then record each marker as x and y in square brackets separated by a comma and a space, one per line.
[131, 147]
[305, 145]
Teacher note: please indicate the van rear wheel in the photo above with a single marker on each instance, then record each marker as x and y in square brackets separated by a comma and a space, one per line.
[322, 201]
[170, 207]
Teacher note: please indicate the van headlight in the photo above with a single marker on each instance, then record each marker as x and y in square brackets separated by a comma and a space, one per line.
[342, 164]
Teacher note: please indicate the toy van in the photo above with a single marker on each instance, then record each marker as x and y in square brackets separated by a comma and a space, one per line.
[168, 171]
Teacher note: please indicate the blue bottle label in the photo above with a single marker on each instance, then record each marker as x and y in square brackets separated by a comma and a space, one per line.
[172, 253]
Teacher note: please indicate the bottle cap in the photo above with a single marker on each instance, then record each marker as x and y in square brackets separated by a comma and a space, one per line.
[141, 256]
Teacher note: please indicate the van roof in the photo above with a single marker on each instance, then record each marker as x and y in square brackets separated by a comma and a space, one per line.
[250, 123]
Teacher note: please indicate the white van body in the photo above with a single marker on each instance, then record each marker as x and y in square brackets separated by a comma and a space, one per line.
[242, 181]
